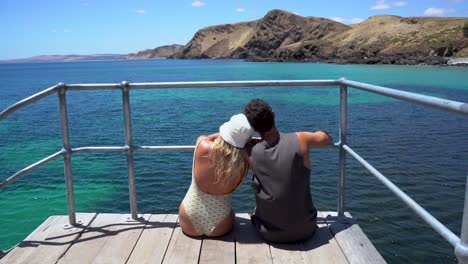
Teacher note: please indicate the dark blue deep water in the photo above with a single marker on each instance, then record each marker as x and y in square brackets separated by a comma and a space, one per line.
[423, 151]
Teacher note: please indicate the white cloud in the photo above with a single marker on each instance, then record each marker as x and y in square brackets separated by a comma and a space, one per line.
[400, 3]
[433, 11]
[347, 20]
[66, 31]
[355, 20]
[297, 13]
[338, 19]
[140, 11]
[240, 9]
[380, 5]
[198, 3]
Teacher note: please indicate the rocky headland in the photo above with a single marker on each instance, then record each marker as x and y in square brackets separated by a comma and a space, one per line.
[383, 39]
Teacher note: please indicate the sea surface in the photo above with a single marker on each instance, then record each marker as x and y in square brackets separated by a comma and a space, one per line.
[423, 151]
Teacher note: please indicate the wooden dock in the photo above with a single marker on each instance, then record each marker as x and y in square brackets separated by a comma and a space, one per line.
[157, 238]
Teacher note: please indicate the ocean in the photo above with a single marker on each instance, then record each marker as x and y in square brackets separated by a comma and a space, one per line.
[423, 151]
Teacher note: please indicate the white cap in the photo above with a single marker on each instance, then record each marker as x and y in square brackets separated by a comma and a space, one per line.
[236, 131]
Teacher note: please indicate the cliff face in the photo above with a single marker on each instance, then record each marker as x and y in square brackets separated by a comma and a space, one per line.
[267, 38]
[159, 52]
[283, 36]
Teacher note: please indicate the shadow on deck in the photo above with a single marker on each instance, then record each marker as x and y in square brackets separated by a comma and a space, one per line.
[116, 238]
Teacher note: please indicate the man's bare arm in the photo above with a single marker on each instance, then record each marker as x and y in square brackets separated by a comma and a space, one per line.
[315, 139]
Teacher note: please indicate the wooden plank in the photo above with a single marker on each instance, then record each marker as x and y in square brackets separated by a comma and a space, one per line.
[287, 253]
[182, 249]
[49, 241]
[250, 247]
[154, 240]
[352, 240]
[322, 247]
[218, 250]
[109, 239]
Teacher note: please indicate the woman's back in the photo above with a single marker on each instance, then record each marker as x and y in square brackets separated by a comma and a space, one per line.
[219, 167]
[204, 173]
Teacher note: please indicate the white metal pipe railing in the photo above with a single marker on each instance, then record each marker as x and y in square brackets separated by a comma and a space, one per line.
[431, 101]
[342, 152]
[67, 154]
[461, 245]
[427, 217]
[27, 101]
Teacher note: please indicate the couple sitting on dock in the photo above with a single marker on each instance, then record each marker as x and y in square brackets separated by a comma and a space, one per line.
[281, 177]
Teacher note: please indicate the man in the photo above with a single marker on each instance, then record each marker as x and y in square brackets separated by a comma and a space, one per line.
[280, 163]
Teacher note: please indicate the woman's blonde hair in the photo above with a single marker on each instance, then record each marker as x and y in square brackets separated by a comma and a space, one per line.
[228, 161]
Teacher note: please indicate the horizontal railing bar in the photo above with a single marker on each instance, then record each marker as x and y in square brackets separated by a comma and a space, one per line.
[135, 148]
[94, 86]
[426, 216]
[163, 148]
[431, 101]
[30, 168]
[240, 84]
[27, 101]
[98, 149]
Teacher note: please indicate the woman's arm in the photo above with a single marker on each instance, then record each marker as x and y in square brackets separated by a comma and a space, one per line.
[211, 137]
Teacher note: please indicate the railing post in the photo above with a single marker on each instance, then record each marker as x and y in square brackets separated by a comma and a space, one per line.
[128, 148]
[342, 153]
[461, 250]
[67, 156]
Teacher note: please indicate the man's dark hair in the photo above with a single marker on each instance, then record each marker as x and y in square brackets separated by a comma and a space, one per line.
[260, 115]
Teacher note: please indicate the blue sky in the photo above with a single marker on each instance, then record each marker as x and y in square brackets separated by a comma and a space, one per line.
[33, 27]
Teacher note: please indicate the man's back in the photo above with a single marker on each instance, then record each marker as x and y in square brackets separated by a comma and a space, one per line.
[284, 208]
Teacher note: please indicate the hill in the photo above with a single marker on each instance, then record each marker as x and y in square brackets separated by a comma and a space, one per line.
[283, 36]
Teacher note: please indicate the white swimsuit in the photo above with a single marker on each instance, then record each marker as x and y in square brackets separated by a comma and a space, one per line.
[205, 210]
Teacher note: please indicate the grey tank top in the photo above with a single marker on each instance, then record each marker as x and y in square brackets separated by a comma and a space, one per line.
[284, 209]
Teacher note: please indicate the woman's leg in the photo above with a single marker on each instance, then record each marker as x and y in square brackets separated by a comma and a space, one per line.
[185, 223]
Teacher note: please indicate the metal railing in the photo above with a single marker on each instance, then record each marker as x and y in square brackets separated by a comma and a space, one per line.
[459, 243]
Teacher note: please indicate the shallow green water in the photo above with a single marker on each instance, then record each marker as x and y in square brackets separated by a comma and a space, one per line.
[423, 151]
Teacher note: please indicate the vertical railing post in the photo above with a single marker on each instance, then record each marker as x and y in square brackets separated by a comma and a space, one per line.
[67, 155]
[129, 150]
[461, 250]
[342, 153]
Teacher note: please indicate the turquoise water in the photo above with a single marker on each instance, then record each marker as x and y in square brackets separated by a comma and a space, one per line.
[423, 151]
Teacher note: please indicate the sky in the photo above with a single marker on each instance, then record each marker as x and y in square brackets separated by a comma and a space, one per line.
[38, 27]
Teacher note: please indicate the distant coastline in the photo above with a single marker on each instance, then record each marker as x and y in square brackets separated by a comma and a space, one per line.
[281, 36]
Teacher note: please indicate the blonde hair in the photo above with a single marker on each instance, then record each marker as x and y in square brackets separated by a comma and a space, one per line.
[228, 161]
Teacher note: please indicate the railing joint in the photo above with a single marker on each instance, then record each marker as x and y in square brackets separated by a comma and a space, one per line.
[125, 86]
[461, 251]
[61, 88]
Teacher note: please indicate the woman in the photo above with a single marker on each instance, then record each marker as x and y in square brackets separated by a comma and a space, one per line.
[219, 167]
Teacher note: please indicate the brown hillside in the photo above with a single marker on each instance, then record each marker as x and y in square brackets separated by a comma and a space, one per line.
[283, 36]
[405, 39]
[159, 52]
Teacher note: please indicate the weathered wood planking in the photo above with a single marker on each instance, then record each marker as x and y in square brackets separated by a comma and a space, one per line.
[182, 249]
[116, 238]
[109, 239]
[250, 247]
[154, 240]
[218, 250]
[352, 240]
[49, 241]
[287, 253]
[322, 247]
